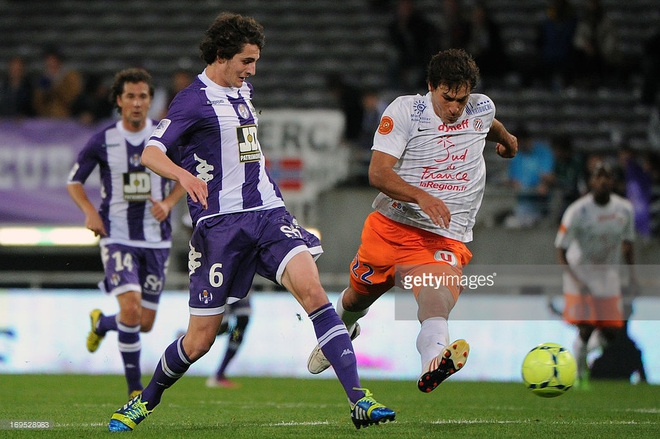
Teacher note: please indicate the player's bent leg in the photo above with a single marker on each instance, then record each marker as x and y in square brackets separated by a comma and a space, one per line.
[201, 334]
[451, 360]
[440, 359]
[301, 279]
[350, 307]
[172, 365]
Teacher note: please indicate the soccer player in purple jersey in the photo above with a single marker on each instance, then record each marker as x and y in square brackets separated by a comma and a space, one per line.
[133, 220]
[241, 226]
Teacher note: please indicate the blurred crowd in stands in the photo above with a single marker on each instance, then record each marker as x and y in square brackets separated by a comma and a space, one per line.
[57, 91]
[576, 47]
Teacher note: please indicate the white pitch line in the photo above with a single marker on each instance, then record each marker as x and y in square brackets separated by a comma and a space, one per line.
[492, 421]
[290, 424]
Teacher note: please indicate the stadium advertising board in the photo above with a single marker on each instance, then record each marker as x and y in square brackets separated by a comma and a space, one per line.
[36, 155]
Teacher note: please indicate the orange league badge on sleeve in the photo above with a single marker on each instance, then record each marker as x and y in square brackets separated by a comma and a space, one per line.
[386, 125]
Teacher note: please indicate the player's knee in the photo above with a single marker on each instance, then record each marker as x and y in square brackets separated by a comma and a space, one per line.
[352, 301]
[131, 313]
[196, 349]
[312, 297]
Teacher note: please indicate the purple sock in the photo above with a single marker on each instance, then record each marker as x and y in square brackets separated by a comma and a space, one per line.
[106, 323]
[172, 365]
[130, 347]
[336, 345]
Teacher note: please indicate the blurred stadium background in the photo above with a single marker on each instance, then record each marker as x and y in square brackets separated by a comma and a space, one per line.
[302, 128]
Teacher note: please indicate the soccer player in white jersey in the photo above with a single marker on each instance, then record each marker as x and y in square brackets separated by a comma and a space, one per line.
[428, 163]
[133, 220]
[241, 226]
[596, 231]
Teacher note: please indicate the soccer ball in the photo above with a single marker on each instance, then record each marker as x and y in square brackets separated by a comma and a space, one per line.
[549, 370]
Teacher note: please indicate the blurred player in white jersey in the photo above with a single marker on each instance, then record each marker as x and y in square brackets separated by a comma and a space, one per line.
[428, 163]
[133, 220]
[595, 232]
[240, 224]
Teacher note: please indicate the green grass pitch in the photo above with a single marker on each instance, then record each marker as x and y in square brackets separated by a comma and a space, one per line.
[80, 407]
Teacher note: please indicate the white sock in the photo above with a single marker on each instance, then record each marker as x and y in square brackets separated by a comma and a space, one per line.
[349, 317]
[580, 351]
[432, 339]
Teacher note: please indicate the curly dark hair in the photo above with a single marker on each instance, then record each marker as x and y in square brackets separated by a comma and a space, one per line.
[132, 75]
[227, 36]
[453, 68]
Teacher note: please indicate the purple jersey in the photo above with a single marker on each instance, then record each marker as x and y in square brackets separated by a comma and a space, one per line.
[125, 187]
[214, 130]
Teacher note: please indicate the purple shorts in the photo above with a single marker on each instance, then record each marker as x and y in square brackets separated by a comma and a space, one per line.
[226, 251]
[134, 269]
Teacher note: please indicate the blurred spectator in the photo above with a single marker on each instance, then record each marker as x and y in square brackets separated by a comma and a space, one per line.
[555, 35]
[638, 180]
[650, 87]
[93, 104]
[348, 99]
[372, 109]
[651, 69]
[486, 46]
[653, 162]
[415, 40]
[597, 54]
[180, 80]
[57, 88]
[530, 175]
[455, 27]
[16, 91]
[569, 178]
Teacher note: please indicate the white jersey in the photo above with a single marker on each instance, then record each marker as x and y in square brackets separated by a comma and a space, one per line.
[592, 236]
[126, 186]
[445, 160]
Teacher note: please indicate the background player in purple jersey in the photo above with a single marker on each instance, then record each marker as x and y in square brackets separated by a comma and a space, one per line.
[241, 226]
[133, 220]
